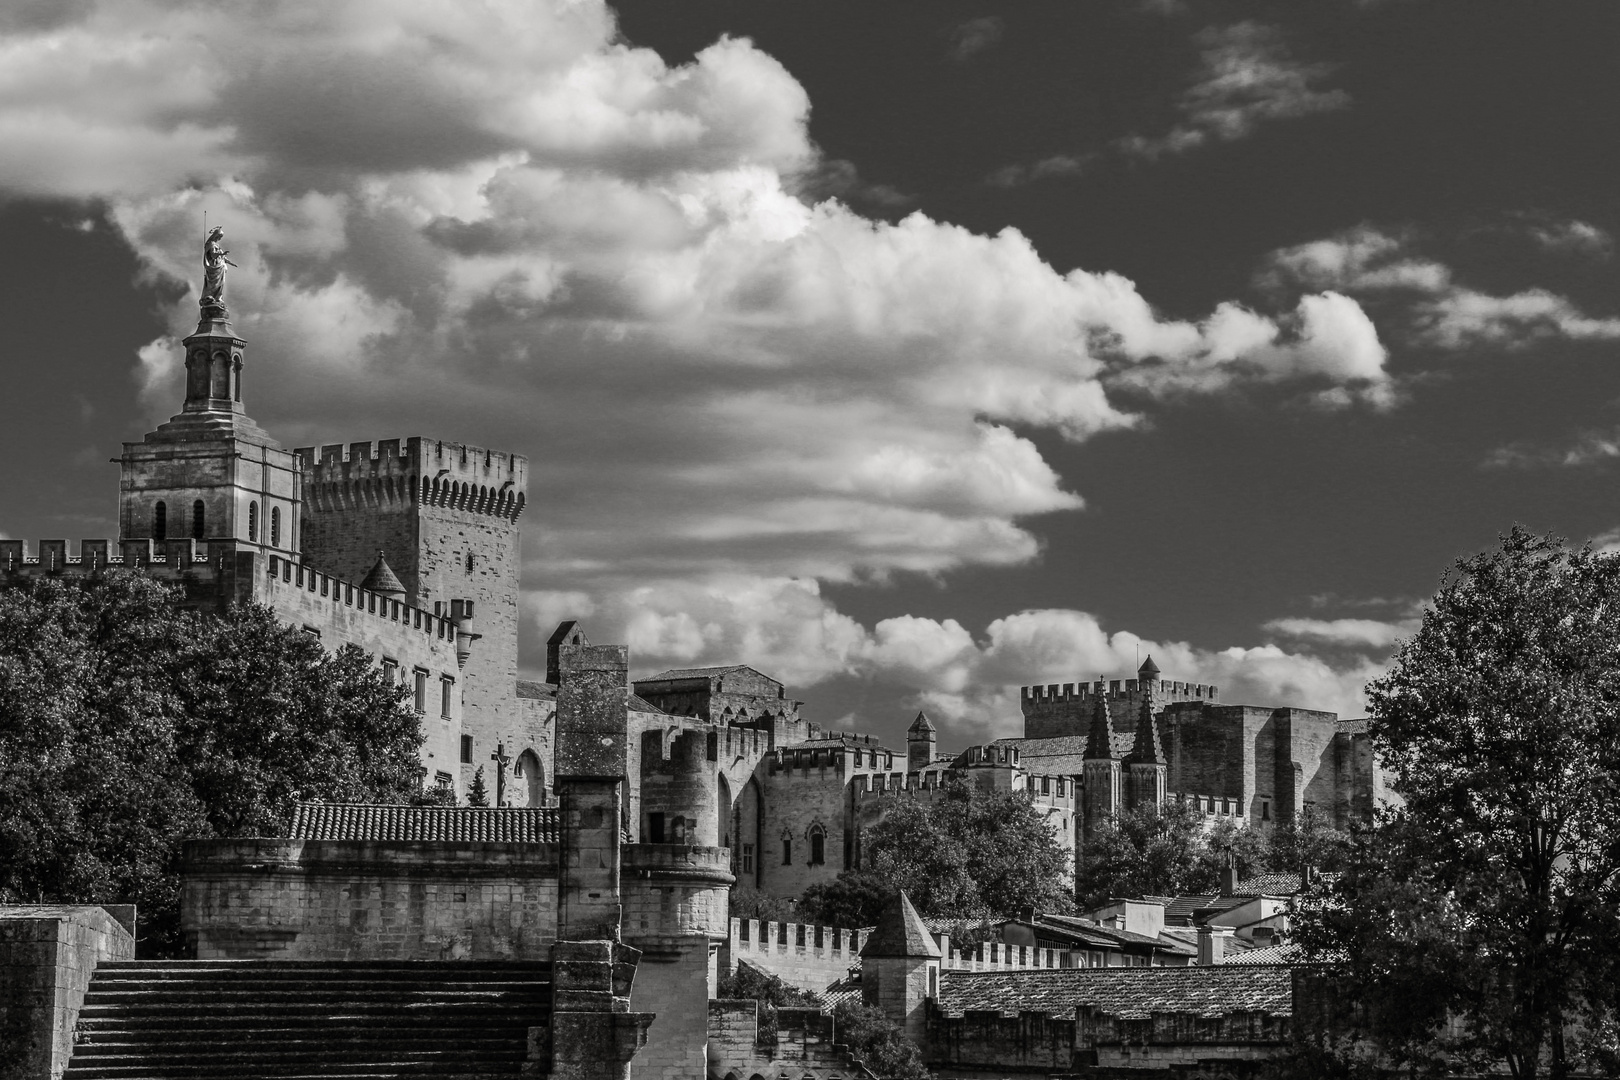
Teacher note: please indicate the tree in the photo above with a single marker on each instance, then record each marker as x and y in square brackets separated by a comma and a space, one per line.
[128, 724]
[967, 852]
[879, 1043]
[747, 902]
[1166, 850]
[477, 793]
[1478, 922]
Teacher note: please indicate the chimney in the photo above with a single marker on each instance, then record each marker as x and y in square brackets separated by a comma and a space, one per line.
[1212, 944]
[1229, 878]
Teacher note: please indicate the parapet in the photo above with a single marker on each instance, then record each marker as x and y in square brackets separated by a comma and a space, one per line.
[417, 471]
[688, 752]
[1117, 688]
[51, 556]
[344, 594]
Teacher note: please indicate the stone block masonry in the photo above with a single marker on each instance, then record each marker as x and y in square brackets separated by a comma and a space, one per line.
[284, 899]
[803, 1045]
[804, 955]
[47, 955]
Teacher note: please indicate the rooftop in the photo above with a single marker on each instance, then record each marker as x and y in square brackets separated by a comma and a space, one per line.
[700, 673]
[466, 825]
[900, 932]
[1125, 993]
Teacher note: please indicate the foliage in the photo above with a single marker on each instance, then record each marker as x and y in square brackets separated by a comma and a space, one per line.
[966, 853]
[1479, 920]
[747, 902]
[127, 725]
[878, 1042]
[1307, 841]
[749, 981]
[477, 793]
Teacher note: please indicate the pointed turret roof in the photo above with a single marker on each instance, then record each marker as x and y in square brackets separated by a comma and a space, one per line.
[1147, 749]
[1148, 670]
[921, 726]
[382, 580]
[901, 932]
[1099, 737]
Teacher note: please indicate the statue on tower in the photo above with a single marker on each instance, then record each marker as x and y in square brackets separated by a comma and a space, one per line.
[214, 264]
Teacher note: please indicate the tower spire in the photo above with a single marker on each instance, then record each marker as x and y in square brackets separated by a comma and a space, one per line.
[1099, 737]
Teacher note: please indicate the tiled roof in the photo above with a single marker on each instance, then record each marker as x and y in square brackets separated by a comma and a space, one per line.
[467, 825]
[1286, 953]
[1126, 993]
[846, 989]
[1095, 933]
[1062, 756]
[1354, 727]
[1179, 911]
[1270, 884]
[695, 673]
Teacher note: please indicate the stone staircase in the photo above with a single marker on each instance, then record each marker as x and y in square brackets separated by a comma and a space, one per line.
[245, 1019]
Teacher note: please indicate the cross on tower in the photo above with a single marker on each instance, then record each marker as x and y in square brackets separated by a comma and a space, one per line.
[500, 759]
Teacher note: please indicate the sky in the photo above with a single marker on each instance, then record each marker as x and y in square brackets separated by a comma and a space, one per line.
[908, 352]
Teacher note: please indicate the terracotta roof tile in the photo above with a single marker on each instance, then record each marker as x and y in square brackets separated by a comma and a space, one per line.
[1270, 884]
[466, 825]
[1126, 993]
[1286, 953]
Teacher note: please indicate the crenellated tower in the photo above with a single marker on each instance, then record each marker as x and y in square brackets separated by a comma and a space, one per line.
[1148, 767]
[1102, 769]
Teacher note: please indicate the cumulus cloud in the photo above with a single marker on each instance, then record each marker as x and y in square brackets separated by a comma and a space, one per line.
[519, 229]
[1572, 237]
[975, 36]
[1353, 633]
[1246, 78]
[1583, 448]
[1441, 312]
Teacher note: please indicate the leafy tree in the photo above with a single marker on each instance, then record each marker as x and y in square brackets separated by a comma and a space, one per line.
[878, 1042]
[1163, 851]
[967, 852]
[749, 981]
[477, 793]
[1479, 921]
[747, 902]
[128, 724]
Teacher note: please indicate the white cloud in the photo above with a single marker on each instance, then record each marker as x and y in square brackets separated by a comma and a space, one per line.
[1573, 237]
[519, 229]
[1442, 313]
[1373, 634]
[1246, 78]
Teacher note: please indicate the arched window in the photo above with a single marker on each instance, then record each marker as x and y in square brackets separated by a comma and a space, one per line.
[534, 777]
[275, 526]
[818, 845]
[469, 562]
[253, 522]
[199, 520]
[160, 521]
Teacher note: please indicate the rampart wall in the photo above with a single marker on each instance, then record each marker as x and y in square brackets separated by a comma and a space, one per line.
[803, 1045]
[47, 955]
[1060, 709]
[400, 900]
[805, 955]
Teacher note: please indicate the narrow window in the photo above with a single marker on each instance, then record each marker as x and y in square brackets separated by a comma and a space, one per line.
[466, 749]
[390, 671]
[748, 858]
[655, 828]
[1265, 810]
[199, 520]
[818, 846]
[446, 693]
[253, 522]
[160, 521]
[469, 562]
[787, 851]
[420, 691]
[275, 526]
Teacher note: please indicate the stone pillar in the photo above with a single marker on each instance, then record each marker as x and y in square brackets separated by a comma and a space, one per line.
[592, 729]
[593, 1033]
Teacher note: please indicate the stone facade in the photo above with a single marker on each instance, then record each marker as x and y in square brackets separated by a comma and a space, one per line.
[47, 955]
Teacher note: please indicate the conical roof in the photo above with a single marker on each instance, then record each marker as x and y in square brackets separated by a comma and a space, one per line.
[1147, 748]
[921, 726]
[1148, 670]
[1099, 737]
[382, 580]
[900, 932]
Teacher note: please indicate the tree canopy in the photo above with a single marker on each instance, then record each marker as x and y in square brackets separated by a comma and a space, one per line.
[128, 724]
[966, 853]
[1478, 921]
[1174, 849]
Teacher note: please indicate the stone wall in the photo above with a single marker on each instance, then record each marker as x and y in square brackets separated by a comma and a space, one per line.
[47, 955]
[805, 790]
[674, 984]
[397, 900]
[805, 955]
[803, 1045]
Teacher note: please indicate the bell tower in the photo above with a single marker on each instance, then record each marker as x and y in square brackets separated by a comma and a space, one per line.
[210, 473]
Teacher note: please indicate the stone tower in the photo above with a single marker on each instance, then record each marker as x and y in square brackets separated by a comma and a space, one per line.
[1148, 767]
[445, 517]
[921, 740]
[211, 473]
[900, 967]
[1101, 767]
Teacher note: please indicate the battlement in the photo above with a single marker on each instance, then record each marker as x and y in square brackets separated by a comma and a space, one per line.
[51, 556]
[414, 471]
[1056, 791]
[1117, 688]
[691, 752]
[1000, 956]
[804, 759]
[441, 625]
[1213, 806]
[805, 939]
[990, 754]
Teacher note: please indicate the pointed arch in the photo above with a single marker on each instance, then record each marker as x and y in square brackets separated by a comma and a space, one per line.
[532, 772]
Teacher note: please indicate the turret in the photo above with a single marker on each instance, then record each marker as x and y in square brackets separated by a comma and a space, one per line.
[900, 967]
[920, 743]
[1148, 768]
[382, 580]
[1102, 768]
